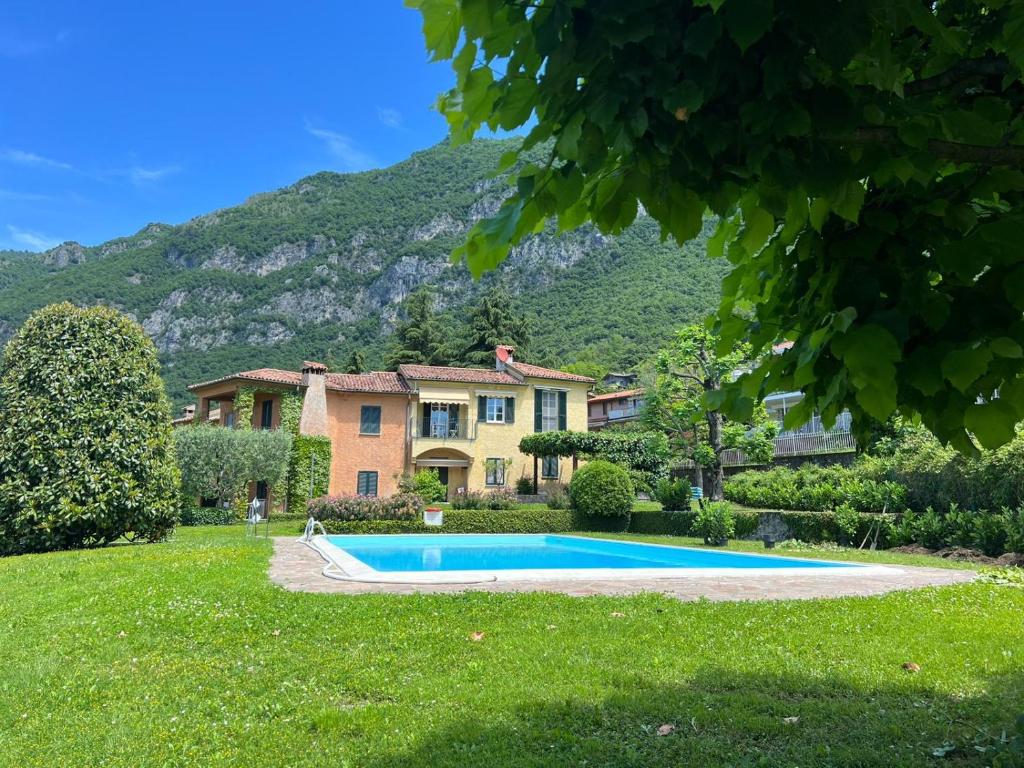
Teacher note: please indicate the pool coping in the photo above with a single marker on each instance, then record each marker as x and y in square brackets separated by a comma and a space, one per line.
[295, 567]
[343, 566]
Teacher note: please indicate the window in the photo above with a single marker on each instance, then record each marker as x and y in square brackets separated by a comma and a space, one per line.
[369, 420]
[266, 414]
[229, 420]
[495, 410]
[366, 484]
[549, 410]
[495, 471]
[549, 468]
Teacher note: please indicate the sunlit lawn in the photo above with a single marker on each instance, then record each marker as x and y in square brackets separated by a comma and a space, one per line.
[185, 654]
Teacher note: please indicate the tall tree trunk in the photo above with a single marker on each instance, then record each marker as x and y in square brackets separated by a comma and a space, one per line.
[715, 484]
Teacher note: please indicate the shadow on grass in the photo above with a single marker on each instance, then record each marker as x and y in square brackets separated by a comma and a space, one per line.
[720, 718]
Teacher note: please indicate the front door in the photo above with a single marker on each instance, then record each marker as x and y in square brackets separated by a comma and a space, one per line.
[442, 475]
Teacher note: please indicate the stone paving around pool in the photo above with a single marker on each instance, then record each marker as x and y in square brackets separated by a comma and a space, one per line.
[297, 568]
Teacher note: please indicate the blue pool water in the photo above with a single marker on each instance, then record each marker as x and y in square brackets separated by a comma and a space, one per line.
[468, 552]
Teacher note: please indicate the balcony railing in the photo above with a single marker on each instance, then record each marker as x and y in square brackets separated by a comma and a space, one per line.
[440, 429]
[800, 444]
[623, 413]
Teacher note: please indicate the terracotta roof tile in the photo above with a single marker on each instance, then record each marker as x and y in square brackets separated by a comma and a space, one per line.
[464, 375]
[618, 395]
[548, 373]
[374, 381]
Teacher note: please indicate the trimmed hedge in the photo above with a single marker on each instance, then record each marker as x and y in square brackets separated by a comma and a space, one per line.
[469, 521]
[193, 515]
[814, 488]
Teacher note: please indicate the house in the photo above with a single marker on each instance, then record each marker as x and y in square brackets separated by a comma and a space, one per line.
[808, 442]
[617, 407]
[620, 380]
[464, 422]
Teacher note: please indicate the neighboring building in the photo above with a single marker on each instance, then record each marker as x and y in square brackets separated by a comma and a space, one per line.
[614, 408]
[811, 440]
[465, 422]
[620, 380]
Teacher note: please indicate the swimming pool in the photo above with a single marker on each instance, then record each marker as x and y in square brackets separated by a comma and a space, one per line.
[455, 558]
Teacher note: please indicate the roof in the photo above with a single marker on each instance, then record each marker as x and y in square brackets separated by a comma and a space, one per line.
[464, 375]
[269, 375]
[548, 373]
[618, 395]
[376, 381]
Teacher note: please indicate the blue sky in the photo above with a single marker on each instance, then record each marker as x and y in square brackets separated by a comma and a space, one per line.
[116, 114]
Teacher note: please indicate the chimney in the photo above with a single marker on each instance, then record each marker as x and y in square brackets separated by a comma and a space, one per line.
[313, 420]
[503, 355]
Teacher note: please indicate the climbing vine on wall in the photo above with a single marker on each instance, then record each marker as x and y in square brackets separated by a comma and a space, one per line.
[245, 401]
[291, 412]
[311, 458]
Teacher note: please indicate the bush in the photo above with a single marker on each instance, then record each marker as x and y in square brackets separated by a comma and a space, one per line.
[847, 519]
[525, 486]
[499, 498]
[960, 526]
[401, 506]
[714, 522]
[930, 530]
[558, 497]
[469, 521]
[426, 483]
[990, 533]
[86, 455]
[602, 489]
[194, 515]
[814, 488]
[674, 495]
[1014, 529]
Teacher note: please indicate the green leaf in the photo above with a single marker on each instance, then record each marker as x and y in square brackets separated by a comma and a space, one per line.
[441, 24]
[1004, 346]
[819, 213]
[758, 227]
[747, 21]
[992, 423]
[847, 200]
[702, 34]
[963, 367]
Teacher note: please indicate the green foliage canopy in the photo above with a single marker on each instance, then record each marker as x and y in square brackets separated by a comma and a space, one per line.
[602, 489]
[864, 160]
[86, 455]
[218, 463]
[422, 338]
[645, 453]
[493, 321]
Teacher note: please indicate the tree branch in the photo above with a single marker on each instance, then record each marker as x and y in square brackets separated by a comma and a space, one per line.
[964, 70]
[945, 150]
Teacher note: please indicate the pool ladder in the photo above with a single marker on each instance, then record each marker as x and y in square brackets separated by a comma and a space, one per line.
[311, 527]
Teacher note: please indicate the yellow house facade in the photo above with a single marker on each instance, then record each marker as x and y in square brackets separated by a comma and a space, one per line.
[468, 423]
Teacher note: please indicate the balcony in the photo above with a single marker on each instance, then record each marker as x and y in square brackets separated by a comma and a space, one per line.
[800, 444]
[442, 431]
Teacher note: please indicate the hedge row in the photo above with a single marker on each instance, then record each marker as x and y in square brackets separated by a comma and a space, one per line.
[468, 521]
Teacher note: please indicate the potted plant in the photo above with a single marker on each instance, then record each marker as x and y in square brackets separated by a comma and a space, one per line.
[715, 523]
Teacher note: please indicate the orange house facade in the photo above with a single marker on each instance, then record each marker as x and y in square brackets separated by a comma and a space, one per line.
[463, 423]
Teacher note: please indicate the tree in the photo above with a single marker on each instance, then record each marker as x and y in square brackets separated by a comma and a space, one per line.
[865, 161]
[690, 373]
[85, 434]
[219, 463]
[422, 337]
[494, 321]
[356, 362]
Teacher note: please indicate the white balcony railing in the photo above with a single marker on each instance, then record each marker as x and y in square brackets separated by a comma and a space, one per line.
[800, 444]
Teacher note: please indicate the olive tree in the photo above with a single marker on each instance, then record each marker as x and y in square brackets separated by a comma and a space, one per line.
[86, 455]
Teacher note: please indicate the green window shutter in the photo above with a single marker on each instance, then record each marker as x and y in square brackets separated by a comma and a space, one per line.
[538, 410]
[510, 410]
[562, 416]
[481, 408]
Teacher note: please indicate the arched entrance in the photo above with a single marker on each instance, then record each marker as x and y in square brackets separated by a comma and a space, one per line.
[452, 467]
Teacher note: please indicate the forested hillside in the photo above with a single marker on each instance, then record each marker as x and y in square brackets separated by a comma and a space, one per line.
[322, 267]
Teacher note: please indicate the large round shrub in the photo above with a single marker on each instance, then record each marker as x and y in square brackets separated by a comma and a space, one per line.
[85, 434]
[601, 488]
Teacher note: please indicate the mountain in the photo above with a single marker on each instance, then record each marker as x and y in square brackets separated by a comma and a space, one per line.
[319, 268]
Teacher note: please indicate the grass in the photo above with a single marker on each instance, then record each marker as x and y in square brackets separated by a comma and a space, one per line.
[184, 654]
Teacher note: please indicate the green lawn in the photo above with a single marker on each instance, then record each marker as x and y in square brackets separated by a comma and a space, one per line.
[184, 654]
